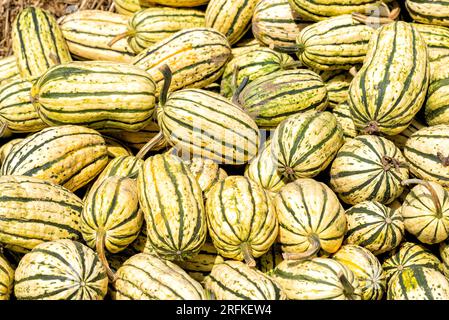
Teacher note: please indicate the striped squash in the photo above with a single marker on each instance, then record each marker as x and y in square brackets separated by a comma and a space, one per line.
[253, 64]
[275, 24]
[141, 244]
[274, 97]
[426, 152]
[4, 131]
[336, 43]
[195, 56]
[199, 266]
[304, 144]
[366, 268]
[337, 85]
[37, 42]
[374, 226]
[116, 148]
[8, 70]
[6, 279]
[263, 170]
[230, 17]
[60, 270]
[409, 255]
[176, 3]
[316, 10]
[426, 212]
[401, 139]
[271, 259]
[317, 279]
[444, 254]
[33, 211]
[241, 219]
[368, 168]
[206, 172]
[244, 46]
[437, 40]
[6, 148]
[16, 108]
[234, 280]
[70, 156]
[97, 94]
[151, 25]
[344, 118]
[228, 135]
[127, 7]
[391, 86]
[137, 139]
[418, 283]
[147, 277]
[88, 32]
[436, 107]
[429, 11]
[172, 202]
[310, 218]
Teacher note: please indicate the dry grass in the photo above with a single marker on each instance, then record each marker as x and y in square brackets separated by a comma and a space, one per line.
[10, 8]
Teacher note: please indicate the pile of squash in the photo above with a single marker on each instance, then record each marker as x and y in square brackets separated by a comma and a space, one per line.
[227, 149]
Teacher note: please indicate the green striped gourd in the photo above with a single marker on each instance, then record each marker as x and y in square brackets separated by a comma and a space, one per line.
[429, 11]
[70, 156]
[275, 24]
[116, 148]
[418, 283]
[366, 268]
[176, 3]
[408, 255]
[368, 168]
[228, 135]
[437, 40]
[336, 43]
[127, 7]
[316, 10]
[234, 280]
[274, 97]
[106, 96]
[337, 85]
[6, 148]
[60, 270]
[172, 202]
[444, 254]
[230, 17]
[137, 139]
[6, 279]
[151, 25]
[426, 212]
[436, 107]
[270, 259]
[241, 219]
[88, 32]
[344, 118]
[33, 211]
[195, 56]
[374, 226]
[8, 70]
[245, 45]
[317, 279]
[199, 266]
[310, 218]
[206, 172]
[252, 63]
[147, 277]
[37, 42]
[304, 144]
[16, 108]
[263, 170]
[401, 139]
[391, 86]
[426, 152]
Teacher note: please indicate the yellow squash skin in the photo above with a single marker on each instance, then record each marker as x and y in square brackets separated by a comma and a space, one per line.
[337, 85]
[368, 168]
[60, 270]
[429, 11]
[401, 139]
[33, 211]
[206, 172]
[8, 70]
[97, 94]
[391, 86]
[172, 202]
[88, 32]
[37, 42]
[147, 277]
[16, 108]
[234, 280]
[151, 25]
[444, 254]
[175, 3]
[367, 269]
[343, 116]
[240, 214]
[306, 208]
[127, 7]
[317, 279]
[270, 259]
[116, 148]
[111, 214]
[6, 148]
[195, 56]
[67, 155]
[137, 139]
[6, 279]
[418, 283]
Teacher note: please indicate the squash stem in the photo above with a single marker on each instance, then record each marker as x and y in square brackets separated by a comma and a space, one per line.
[432, 191]
[119, 37]
[444, 160]
[315, 246]
[149, 145]
[348, 288]
[247, 254]
[166, 72]
[99, 245]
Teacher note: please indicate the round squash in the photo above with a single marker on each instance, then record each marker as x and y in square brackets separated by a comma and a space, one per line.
[6, 278]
